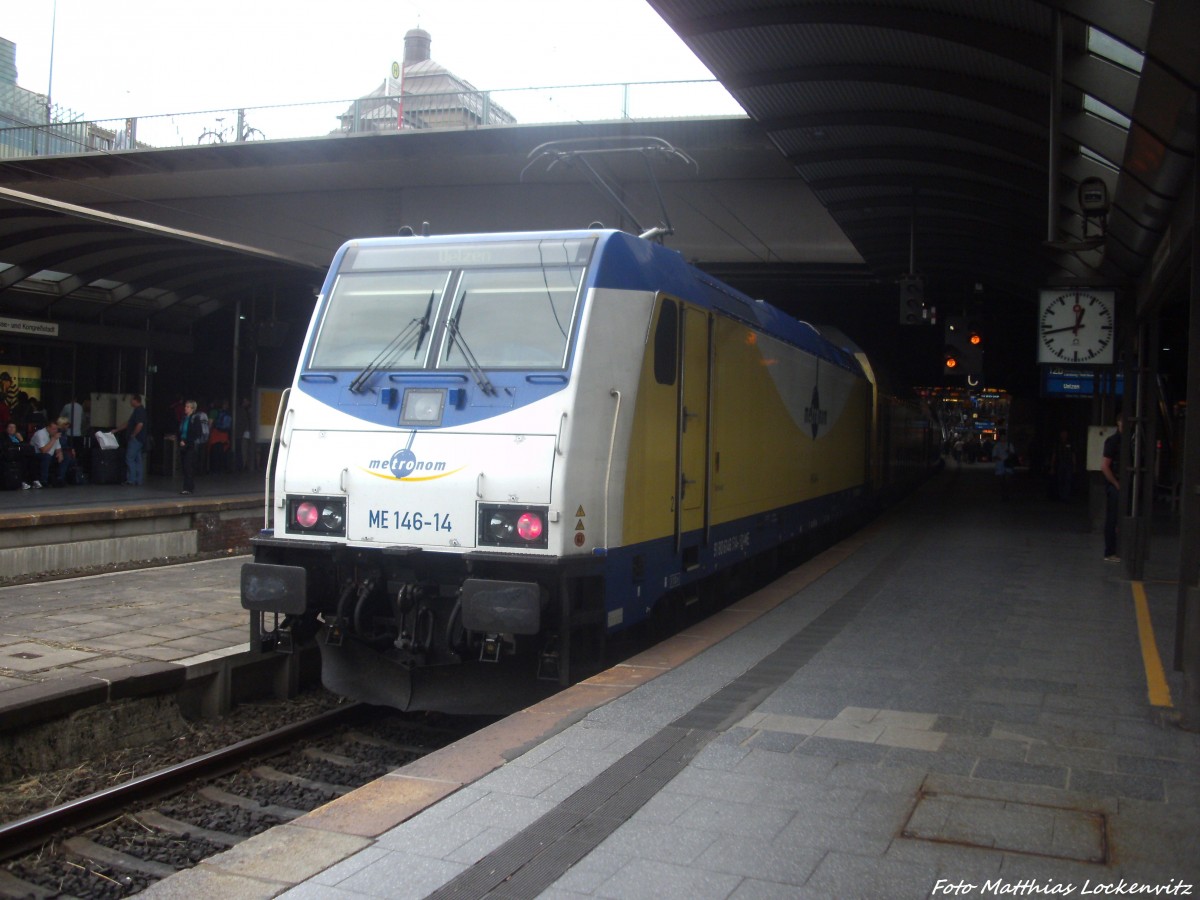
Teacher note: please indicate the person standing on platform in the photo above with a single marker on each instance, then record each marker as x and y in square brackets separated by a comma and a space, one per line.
[135, 441]
[242, 419]
[1063, 466]
[220, 438]
[200, 434]
[36, 417]
[189, 445]
[1004, 456]
[72, 411]
[1112, 490]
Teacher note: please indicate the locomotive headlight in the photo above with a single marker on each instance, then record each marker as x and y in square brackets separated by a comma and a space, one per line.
[316, 515]
[422, 406]
[513, 526]
[500, 527]
[333, 517]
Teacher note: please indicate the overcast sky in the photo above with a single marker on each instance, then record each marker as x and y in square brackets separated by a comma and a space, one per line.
[117, 58]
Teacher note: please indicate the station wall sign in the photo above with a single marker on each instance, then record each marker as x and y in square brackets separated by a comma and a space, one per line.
[29, 327]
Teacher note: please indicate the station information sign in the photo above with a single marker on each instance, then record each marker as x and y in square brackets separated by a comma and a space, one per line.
[1063, 381]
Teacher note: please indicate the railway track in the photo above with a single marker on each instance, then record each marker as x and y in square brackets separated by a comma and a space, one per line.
[118, 841]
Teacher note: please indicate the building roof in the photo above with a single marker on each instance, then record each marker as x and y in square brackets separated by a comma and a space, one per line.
[421, 78]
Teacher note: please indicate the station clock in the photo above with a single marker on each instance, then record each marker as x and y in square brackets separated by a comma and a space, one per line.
[1076, 327]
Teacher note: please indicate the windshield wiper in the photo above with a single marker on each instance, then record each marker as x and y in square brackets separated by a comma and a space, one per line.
[457, 340]
[424, 326]
[546, 282]
[411, 334]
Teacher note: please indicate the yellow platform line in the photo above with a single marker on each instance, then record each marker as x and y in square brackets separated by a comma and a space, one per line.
[1156, 679]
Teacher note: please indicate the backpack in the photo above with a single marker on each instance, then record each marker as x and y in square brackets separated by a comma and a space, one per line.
[202, 418]
[224, 421]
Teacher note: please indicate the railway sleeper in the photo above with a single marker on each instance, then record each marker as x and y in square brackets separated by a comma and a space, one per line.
[369, 740]
[216, 795]
[268, 773]
[12, 886]
[90, 850]
[324, 756]
[158, 822]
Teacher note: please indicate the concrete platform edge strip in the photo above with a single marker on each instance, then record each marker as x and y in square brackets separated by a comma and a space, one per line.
[535, 858]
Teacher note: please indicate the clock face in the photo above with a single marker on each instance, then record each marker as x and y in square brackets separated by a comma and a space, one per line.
[1076, 327]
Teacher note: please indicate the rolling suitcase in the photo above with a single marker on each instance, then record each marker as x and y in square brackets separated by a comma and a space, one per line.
[10, 473]
[108, 466]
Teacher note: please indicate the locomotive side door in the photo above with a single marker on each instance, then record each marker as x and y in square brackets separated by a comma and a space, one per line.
[695, 354]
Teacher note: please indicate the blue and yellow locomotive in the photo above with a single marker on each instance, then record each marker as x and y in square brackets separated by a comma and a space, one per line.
[497, 443]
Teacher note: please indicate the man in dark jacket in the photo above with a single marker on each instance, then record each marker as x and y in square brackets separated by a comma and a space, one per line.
[189, 445]
[1109, 468]
[137, 430]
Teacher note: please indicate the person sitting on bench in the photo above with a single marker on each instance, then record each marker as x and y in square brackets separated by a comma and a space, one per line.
[46, 441]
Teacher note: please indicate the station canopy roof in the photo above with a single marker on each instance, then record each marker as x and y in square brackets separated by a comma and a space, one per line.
[82, 265]
[952, 136]
[885, 137]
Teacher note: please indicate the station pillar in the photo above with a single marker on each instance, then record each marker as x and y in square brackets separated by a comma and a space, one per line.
[1187, 631]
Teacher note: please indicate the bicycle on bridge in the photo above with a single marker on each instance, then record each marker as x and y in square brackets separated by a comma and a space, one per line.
[234, 133]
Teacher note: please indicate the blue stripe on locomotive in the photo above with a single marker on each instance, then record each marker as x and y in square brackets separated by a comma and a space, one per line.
[621, 261]
[653, 568]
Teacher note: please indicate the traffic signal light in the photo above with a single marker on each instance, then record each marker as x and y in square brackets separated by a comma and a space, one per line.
[912, 300]
[963, 351]
[973, 357]
[950, 361]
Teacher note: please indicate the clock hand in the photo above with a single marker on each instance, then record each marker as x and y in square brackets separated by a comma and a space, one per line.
[1072, 328]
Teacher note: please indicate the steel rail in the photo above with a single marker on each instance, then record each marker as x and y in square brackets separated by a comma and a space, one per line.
[30, 832]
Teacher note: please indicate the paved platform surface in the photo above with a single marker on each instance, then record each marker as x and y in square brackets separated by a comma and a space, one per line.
[954, 702]
[157, 489]
[955, 699]
[68, 636]
[98, 626]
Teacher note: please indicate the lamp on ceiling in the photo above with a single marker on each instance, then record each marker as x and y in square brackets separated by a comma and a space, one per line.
[1092, 194]
[1093, 197]
[1093, 202]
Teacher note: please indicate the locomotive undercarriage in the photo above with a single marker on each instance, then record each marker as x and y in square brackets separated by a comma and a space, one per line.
[421, 630]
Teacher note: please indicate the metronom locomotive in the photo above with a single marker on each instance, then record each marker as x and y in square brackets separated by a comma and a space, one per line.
[500, 446]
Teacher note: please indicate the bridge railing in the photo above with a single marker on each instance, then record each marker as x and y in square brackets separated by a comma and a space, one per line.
[454, 110]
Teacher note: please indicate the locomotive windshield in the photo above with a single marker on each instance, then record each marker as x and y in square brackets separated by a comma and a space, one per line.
[453, 306]
[513, 318]
[368, 315]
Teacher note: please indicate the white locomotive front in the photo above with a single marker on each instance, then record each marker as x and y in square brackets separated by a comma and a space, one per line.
[415, 514]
